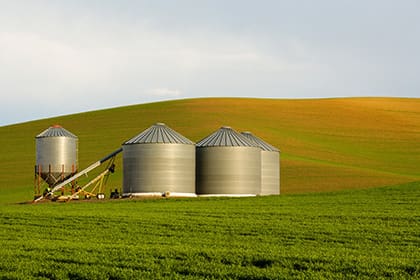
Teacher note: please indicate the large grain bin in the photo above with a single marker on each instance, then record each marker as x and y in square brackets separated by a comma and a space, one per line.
[159, 161]
[270, 165]
[228, 164]
[56, 154]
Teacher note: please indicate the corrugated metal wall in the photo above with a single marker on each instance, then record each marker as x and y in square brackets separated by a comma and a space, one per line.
[270, 165]
[56, 154]
[150, 168]
[270, 172]
[159, 160]
[228, 170]
[228, 164]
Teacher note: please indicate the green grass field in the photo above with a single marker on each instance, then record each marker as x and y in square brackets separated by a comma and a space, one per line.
[352, 234]
[309, 232]
[326, 144]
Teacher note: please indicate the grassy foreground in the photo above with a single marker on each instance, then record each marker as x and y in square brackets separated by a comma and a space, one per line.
[360, 234]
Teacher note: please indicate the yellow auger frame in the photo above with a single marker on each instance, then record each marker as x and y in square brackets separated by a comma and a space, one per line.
[100, 180]
[98, 184]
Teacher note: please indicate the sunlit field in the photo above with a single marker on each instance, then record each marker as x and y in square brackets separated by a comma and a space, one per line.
[326, 144]
[357, 234]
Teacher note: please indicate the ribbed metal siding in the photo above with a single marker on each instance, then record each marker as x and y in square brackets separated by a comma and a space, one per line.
[226, 137]
[270, 165]
[56, 155]
[228, 170]
[259, 142]
[270, 172]
[159, 133]
[158, 160]
[150, 168]
[56, 131]
[228, 164]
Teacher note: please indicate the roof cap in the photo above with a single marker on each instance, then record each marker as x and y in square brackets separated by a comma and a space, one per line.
[258, 141]
[159, 133]
[56, 131]
[226, 136]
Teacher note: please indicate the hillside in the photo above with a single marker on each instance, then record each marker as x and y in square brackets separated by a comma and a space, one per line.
[326, 144]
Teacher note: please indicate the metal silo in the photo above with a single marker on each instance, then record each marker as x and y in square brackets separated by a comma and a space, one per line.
[228, 164]
[270, 165]
[56, 155]
[159, 161]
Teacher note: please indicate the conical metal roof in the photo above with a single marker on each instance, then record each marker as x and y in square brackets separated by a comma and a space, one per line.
[226, 136]
[258, 141]
[56, 131]
[159, 133]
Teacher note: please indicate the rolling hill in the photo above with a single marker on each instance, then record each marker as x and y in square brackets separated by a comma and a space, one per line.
[326, 144]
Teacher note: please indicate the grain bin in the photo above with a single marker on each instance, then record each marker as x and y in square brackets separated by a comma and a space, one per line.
[228, 164]
[56, 155]
[270, 165]
[159, 161]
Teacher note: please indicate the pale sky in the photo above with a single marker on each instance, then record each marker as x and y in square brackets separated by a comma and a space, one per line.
[62, 57]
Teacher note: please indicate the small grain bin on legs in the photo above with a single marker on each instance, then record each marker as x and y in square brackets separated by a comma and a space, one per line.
[228, 164]
[270, 165]
[56, 156]
[159, 161]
